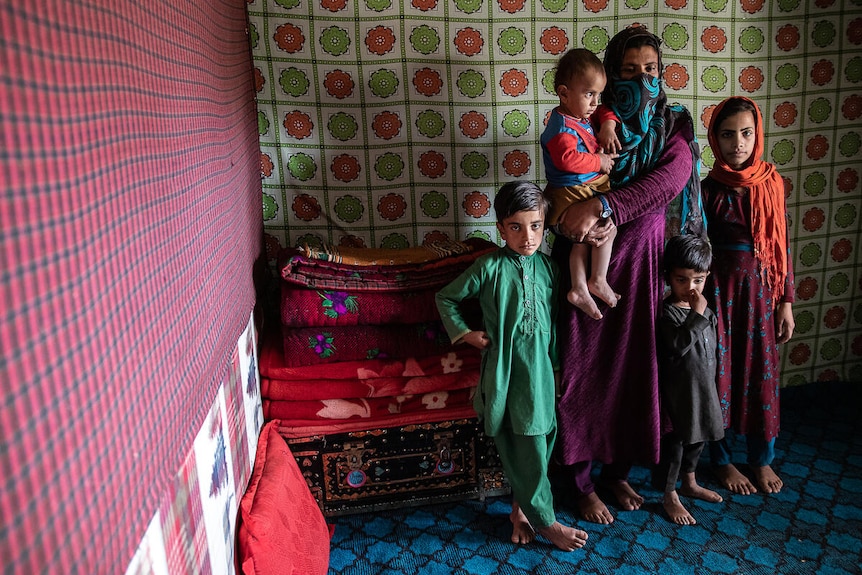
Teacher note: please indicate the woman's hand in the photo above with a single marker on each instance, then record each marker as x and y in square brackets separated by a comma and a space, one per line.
[580, 223]
[607, 137]
[784, 322]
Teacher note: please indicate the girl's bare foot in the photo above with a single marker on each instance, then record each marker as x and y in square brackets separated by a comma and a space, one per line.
[675, 510]
[734, 481]
[766, 478]
[522, 531]
[565, 538]
[579, 296]
[690, 488]
[600, 288]
[592, 509]
[627, 497]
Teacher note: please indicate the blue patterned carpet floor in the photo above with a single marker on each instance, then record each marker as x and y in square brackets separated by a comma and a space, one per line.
[814, 526]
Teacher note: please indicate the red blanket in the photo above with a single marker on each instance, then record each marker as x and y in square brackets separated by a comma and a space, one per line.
[306, 307]
[372, 410]
[299, 429]
[272, 364]
[332, 344]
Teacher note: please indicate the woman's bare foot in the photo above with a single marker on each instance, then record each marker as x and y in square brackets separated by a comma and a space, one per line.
[522, 531]
[565, 538]
[766, 478]
[733, 480]
[579, 296]
[592, 509]
[600, 288]
[675, 510]
[627, 497]
[690, 488]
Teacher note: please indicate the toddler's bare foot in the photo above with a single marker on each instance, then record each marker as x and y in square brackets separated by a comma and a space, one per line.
[565, 538]
[592, 509]
[766, 478]
[697, 492]
[579, 296]
[600, 288]
[734, 481]
[522, 531]
[627, 497]
[675, 510]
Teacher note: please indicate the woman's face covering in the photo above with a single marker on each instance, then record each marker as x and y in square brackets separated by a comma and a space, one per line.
[640, 60]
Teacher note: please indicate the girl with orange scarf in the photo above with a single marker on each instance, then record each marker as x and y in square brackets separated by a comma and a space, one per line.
[752, 286]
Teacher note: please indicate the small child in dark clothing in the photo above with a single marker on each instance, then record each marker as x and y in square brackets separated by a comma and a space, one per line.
[687, 367]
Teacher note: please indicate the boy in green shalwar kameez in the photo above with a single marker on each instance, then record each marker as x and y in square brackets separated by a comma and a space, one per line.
[517, 290]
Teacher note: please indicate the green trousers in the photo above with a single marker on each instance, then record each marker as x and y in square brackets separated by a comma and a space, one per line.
[525, 461]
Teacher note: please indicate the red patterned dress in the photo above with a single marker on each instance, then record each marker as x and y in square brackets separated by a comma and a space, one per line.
[748, 362]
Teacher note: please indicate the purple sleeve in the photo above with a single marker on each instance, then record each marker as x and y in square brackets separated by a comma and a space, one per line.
[656, 188]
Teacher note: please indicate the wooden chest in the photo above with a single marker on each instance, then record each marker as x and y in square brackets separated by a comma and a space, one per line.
[399, 466]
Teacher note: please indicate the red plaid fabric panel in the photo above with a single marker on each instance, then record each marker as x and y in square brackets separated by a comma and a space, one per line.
[130, 218]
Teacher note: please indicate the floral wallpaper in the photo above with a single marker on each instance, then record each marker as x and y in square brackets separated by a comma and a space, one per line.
[391, 123]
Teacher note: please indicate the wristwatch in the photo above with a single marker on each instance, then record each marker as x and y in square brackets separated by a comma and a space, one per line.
[606, 207]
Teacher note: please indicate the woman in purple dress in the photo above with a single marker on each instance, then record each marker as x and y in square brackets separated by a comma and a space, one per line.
[609, 408]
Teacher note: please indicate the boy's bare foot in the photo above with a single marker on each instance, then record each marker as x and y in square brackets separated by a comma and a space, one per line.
[592, 509]
[767, 480]
[600, 288]
[733, 480]
[565, 538]
[675, 510]
[579, 296]
[627, 497]
[522, 531]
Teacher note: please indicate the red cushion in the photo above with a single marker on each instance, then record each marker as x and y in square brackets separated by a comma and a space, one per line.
[281, 528]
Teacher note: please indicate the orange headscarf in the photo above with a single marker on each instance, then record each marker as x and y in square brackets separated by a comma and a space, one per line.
[766, 195]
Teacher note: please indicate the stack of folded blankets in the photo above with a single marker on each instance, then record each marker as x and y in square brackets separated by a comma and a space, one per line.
[360, 343]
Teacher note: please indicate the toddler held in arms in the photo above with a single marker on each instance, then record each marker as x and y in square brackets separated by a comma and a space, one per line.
[576, 167]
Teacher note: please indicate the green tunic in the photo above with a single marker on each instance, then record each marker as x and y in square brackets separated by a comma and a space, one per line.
[517, 295]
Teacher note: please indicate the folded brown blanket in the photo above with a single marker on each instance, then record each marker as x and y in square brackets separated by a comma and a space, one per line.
[298, 268]
[386, 257]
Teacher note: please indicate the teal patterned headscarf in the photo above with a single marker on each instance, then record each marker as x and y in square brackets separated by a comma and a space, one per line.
[647, 121]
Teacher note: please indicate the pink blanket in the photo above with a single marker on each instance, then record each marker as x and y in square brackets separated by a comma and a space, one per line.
[287, 390]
